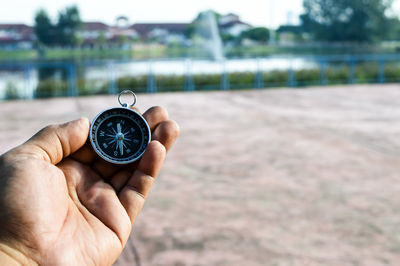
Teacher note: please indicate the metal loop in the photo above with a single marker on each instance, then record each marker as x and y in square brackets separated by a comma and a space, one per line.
[127, 92]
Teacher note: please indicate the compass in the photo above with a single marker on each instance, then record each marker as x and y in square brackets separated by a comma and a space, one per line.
[120, 135]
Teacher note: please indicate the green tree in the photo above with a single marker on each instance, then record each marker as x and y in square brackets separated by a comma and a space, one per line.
[226, 38]
[101, 40]
[68, 24]
[259, 34]
[63, 33]
[347, 20]
[44, 29]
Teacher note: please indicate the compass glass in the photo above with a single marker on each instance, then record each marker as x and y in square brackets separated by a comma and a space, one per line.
[119, 135]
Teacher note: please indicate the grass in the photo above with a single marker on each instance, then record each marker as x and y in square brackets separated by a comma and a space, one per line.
[17, 55]
[148, 51]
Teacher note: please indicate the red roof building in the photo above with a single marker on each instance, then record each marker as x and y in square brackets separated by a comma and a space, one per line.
[16, 36]
[145, 29]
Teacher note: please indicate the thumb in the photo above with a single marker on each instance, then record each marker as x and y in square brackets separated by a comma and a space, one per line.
[55, 142]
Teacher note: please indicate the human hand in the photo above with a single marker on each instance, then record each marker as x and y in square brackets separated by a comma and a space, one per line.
[62, 205]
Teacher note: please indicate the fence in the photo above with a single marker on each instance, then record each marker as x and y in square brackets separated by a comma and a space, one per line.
[40, 79]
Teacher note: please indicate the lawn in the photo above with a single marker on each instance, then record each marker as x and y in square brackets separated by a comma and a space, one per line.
[148, 51]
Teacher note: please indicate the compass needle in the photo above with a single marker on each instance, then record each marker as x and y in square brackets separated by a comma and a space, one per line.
[121, 147]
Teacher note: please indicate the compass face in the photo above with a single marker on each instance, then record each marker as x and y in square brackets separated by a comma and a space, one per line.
[119, 135]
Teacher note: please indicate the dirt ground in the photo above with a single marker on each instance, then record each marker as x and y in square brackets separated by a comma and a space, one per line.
[261, 177]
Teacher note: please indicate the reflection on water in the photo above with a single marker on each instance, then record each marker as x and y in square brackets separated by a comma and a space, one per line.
[179, 67]
[13, 84]
[23, 82]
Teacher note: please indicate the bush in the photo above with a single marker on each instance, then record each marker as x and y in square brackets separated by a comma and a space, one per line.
[11, 92]
[170, 83]
[275, 78]
[366, 72]
[337, 74]
[135, 83]
[51, 88]
[207, 82]
[241, 80]
[307, 77]
[92, 87]
[392, 72]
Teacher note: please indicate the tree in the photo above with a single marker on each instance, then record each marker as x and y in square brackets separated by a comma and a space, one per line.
[67, 26]
[44, 29]
[259, 34]
[63, 33]
[101, 40]
[347, 20]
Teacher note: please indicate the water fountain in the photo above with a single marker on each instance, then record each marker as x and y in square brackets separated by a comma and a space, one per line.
[209, 37]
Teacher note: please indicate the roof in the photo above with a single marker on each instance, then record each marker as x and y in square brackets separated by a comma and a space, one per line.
[233, 23]
[16, 33]
[95, 25]
[145, 28]
[17, 27]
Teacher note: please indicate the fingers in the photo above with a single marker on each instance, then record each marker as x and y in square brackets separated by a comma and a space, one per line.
[53, 143]
[155, 115]
[166, 133]
[133, 194]
[119, 180]
[105, 169]
[163, 130]
[85, 155]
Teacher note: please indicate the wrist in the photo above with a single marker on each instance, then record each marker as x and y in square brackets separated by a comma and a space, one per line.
[12, 256]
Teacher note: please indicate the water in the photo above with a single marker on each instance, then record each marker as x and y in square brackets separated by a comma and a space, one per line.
[178, 66]
[215, 42]
[209, 38]
[24, 83]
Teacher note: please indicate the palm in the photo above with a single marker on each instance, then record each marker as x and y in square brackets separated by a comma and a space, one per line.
[77, 209]
[73, 221]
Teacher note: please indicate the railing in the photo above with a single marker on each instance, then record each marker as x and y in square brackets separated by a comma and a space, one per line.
[316, 70]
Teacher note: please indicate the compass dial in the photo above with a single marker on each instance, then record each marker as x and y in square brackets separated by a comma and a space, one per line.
[120, 135]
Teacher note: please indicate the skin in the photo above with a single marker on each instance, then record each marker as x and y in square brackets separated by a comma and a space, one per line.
[62, 205]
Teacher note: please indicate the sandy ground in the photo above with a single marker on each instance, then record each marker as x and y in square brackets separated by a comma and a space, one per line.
[263, 177]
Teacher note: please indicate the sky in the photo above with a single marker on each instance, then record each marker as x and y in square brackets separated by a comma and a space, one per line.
[255, 12]
[268, 13]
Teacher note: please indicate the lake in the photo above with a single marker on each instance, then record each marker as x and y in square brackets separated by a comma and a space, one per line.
[24, 77]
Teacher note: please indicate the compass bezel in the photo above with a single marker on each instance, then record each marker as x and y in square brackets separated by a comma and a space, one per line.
[96, 146]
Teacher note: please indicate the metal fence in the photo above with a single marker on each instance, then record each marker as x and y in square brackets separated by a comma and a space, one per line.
[316, 70]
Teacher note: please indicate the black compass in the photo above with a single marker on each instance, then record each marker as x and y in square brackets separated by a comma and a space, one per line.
[120, 135]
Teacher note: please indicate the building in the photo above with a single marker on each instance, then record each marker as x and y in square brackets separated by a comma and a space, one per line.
[161, 32]
[16, 36]
[100, 34]
[231, 24]
[95, 33]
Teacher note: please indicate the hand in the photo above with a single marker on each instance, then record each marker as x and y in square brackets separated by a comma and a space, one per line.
[62, 205]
